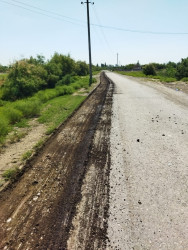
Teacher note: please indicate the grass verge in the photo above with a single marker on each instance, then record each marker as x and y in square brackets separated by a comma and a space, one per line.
[141, 74]
[17, 113]
[56, 111]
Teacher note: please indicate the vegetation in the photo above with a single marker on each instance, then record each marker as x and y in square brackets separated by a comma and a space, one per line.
[149, 70]
[55, 111]
[3, 69]
[31, 83]
[28, 76]
[10, 174]
[27, 155]
[169, 72]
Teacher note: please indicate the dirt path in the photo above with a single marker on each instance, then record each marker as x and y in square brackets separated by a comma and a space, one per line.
[11, 155]
[36, 212]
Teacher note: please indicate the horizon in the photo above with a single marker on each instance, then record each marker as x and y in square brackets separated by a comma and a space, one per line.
[144, 31]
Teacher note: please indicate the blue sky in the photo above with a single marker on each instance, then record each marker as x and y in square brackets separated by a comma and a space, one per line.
[29, 31]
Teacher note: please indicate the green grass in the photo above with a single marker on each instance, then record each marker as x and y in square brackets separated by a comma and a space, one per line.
[132, 73]
[10, 174]
[17, 136]
[3, 77]
[39, 144]
[141, 74]
[22, 124]
[55, 111]
[17, 113]
[185, 79]
[27, 155]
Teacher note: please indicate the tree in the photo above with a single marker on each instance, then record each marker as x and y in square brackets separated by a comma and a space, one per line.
[149, 69]
[182, 69]
[23, 80]
[81, 68]
[3, 69]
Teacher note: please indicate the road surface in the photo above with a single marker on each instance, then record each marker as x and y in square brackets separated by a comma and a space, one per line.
[113, 176]
[148, 206]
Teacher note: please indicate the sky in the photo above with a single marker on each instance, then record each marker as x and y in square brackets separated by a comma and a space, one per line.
[141, 30]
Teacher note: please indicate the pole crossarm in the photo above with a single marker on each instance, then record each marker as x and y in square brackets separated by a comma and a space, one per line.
[87, 2]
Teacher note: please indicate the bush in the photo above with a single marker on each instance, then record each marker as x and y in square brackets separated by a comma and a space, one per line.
[149, 70]
[3, 126]
[29, 108]
[10, 174]
[24, 79]
[68, 90]
[76, 85]
[13, 115]
[185, 79]
[182, 69]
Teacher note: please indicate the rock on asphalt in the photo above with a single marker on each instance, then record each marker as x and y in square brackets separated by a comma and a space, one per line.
[149, 163]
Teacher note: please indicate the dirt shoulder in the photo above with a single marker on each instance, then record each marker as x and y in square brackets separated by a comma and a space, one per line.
[12, 153]
[176, 86]
[36, 212]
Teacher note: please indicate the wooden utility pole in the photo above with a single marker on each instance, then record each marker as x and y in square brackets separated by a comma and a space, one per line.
[89, 41]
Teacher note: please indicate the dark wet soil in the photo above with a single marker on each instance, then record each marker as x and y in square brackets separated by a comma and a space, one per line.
[36, 211]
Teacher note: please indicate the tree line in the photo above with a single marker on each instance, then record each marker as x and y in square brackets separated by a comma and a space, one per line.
[178, 70]
[28, 76]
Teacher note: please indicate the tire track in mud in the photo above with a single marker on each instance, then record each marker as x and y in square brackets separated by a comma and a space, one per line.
[90, 223]
[36, 212]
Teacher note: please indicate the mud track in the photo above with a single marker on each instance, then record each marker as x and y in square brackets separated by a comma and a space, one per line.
[61, 199]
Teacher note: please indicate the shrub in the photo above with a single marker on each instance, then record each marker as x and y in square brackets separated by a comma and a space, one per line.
[82, 68]
[10, 174]
[185, 79]
[76, 85]
[68, 90]
[182, 69]
[27, 155]
[13, 115]
[3, 126]
[23, 80]
[29, 108]
[149, 70]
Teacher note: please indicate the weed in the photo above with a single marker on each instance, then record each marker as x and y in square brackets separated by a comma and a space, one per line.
[22, 124]
[132, 73]
[17, 136]
[58, 110]
[29, 108]
[50, 130]
[185, 79]
[11, 174]
[3, 126]
[27, 155]
[20, 111]
[161, 78]
[39, 144]
[13, 115]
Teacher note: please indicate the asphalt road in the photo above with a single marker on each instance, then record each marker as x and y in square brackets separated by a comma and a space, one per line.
[149, 167]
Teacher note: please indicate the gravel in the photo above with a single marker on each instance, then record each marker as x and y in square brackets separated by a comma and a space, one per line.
[149, 162]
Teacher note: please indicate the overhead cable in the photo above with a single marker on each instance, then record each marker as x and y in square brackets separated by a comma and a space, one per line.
[78, 22]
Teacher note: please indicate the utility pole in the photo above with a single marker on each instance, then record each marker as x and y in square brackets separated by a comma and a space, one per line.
[89, 41]
[117, 59]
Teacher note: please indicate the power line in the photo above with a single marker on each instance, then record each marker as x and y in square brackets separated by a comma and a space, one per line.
[102, 31]
[37, 12]
[140, 31]
[47, 11]
[75, 21]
